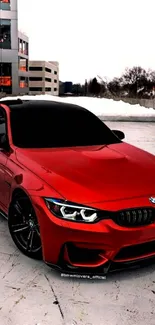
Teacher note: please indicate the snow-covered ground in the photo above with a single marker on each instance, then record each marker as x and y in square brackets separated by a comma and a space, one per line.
[107, 109]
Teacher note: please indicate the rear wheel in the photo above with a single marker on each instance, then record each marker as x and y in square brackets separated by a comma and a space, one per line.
[24, 227]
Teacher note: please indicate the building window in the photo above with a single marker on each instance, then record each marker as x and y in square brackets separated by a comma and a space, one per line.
[6, 78]
[22, 64]
[4, 4]
[27, 49]
[35, 79]
[55, 89]
[55, 72]
[35, 69]
[48, 70]
[48, 79]
[48, 89]
[35, 89]
[23, 82]
[22, 47]
[5, 34]
[55, 81]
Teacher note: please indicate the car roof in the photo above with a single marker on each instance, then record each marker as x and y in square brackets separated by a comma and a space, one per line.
[18, 104]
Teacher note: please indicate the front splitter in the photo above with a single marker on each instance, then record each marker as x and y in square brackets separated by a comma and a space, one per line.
[102, 271]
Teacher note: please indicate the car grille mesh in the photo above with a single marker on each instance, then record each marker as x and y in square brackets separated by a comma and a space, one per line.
[135, 217]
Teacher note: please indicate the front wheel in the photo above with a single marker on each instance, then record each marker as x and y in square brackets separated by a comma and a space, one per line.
[24, 227]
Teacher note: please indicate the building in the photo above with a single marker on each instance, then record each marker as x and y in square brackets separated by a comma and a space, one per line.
[43, 78]
[23, 63]
[65, 88]
[13, 51]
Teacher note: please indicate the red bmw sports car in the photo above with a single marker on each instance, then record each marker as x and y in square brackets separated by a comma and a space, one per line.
[73, 192]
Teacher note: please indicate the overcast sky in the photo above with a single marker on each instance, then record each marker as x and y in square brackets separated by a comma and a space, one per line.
[90, 37]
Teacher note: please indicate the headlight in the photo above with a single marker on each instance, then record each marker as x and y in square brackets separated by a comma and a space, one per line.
[70, 211]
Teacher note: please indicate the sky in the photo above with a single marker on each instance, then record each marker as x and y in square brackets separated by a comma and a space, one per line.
[90, 38]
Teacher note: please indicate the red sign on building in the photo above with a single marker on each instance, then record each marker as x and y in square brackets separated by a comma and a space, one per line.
[5, 81]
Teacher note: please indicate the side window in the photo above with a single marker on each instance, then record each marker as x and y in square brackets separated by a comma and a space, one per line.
[2, 123]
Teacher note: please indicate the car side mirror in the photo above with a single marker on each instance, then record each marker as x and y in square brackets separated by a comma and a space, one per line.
[119, 134]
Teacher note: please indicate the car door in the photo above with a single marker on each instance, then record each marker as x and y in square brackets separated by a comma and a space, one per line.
[4, 188]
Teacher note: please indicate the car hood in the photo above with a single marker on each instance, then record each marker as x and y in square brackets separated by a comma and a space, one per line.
[93, 174]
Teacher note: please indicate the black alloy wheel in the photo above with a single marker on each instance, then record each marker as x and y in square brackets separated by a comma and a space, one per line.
[24, 227]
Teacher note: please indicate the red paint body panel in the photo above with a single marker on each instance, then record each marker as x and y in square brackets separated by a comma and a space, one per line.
[113, 177]
[105, 234]
[94, 174]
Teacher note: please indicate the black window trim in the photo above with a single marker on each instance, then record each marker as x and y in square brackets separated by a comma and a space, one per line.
[8, 25]
[48, 79]
[31, 78]
[35, 88]
[48, 70]
[6, 129]
[36, 68]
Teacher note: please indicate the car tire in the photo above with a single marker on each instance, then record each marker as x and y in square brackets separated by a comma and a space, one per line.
[23, 226]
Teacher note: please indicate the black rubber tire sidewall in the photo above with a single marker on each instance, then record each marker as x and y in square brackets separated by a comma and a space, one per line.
[35, 255]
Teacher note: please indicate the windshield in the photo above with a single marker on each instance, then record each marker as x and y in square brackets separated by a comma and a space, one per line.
[52, 128]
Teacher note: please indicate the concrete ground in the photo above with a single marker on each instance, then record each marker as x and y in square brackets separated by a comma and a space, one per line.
[32, 294]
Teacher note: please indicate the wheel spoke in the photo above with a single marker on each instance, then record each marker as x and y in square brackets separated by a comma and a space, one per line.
[24, 227]
[20, 228]
[18, 208]
[19, 225]
[37, 231]
[30, 240]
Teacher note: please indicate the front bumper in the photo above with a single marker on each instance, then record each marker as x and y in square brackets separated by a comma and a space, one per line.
[102, 271]
[93, 248]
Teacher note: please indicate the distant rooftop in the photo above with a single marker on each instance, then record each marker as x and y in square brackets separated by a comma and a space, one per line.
[55, 63]
[22, 32]
[22, 35]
